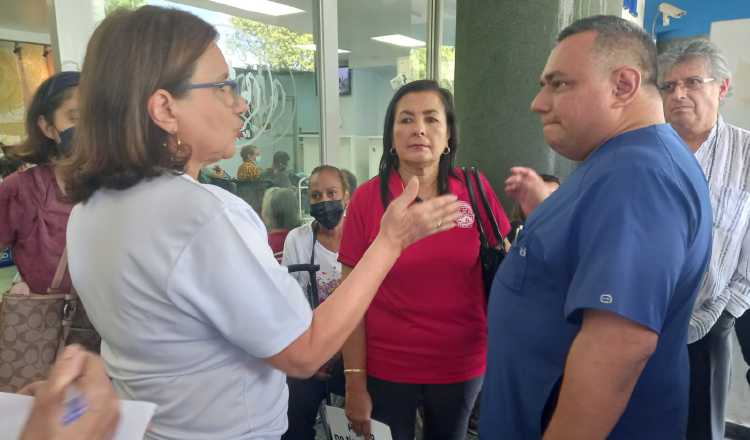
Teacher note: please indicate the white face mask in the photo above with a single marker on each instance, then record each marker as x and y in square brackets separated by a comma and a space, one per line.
[257, 159]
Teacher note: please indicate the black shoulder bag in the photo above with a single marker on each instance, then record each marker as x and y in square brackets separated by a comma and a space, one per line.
[490, 257]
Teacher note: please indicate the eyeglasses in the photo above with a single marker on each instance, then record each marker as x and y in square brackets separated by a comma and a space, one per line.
[691, 83]
[230, 90]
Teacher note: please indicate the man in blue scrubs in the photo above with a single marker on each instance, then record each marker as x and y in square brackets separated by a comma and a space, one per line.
[589, 312]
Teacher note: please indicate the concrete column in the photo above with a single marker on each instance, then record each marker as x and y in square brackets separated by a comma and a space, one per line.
[72, 22]
[501, 48]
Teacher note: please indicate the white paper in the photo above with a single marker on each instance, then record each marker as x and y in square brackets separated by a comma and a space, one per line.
[134, 416]
[341, 428]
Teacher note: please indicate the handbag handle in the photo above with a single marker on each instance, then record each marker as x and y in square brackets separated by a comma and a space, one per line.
[475, 208]
[62, 267]
[70, 305]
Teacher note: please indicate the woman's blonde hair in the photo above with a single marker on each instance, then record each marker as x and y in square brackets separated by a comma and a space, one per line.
[279, 209]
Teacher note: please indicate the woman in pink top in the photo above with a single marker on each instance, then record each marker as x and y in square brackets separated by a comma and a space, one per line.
[424, 338]
[33, 213]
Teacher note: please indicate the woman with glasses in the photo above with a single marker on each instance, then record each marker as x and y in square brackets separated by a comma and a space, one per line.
[195, 313]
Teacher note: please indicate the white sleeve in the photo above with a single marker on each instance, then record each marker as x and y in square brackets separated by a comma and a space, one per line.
[228, 278]
[292, 255]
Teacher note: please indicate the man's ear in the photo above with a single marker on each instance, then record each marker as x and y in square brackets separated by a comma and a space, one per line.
[724, 89]
[626, 81]
[162, 110]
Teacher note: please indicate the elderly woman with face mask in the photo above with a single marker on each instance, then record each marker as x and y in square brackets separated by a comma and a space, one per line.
[195, 313]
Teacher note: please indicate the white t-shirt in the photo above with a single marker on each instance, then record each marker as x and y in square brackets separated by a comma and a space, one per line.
[297, 250]
[180, 281]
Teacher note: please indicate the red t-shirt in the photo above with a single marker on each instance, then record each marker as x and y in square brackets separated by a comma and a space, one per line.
[33, 219]
[428, 323]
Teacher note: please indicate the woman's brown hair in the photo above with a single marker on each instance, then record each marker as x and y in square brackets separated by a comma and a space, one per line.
[37, 148]
[131, 55]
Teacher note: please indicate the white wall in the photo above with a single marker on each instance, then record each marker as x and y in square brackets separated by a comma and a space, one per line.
[74, 22]
[732, 37]
[363, 111]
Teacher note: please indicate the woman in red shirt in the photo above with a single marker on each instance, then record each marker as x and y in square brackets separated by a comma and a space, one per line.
[424, 338]
[33, 213]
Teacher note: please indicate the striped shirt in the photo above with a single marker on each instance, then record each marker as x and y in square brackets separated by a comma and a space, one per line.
[725, 159]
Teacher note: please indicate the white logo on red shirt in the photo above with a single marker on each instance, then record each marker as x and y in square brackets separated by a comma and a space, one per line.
[465, 216]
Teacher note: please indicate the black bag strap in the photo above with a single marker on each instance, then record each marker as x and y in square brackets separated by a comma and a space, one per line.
[475, 208]
[313, 284]
[487, 208]
[314, 228]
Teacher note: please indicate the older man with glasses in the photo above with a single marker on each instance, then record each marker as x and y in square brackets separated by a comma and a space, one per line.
[694, 80]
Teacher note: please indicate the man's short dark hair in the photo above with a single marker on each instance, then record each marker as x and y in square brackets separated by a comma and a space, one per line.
[618, 39]
[280, 159]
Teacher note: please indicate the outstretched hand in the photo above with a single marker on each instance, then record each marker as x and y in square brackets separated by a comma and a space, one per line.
[406, 222]
[527, 188]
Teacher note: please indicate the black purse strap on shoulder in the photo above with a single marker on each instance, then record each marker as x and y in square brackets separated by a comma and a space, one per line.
[475, 208]
[487, 208]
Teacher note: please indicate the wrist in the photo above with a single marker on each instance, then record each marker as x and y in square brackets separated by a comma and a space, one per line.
[356, 383]
[387, 246]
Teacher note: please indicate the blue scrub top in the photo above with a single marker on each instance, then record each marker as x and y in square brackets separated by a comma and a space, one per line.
[629, 232]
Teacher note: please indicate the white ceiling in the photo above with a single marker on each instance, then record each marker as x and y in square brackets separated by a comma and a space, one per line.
[359, 20]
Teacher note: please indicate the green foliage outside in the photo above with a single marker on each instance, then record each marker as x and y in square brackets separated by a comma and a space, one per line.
[418, 64]
[278, 47]
[111, 5]
[275, 46]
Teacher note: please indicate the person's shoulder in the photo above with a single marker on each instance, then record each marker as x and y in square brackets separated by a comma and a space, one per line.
[367, 191]
[36, 178]
[299, 233]
[39, 173]
[12, 181]
[191, 199]
[657, 148]
[745, 133]
[458, 176]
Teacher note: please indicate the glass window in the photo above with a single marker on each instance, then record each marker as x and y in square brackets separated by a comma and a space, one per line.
[382, 45]
[448, 44]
